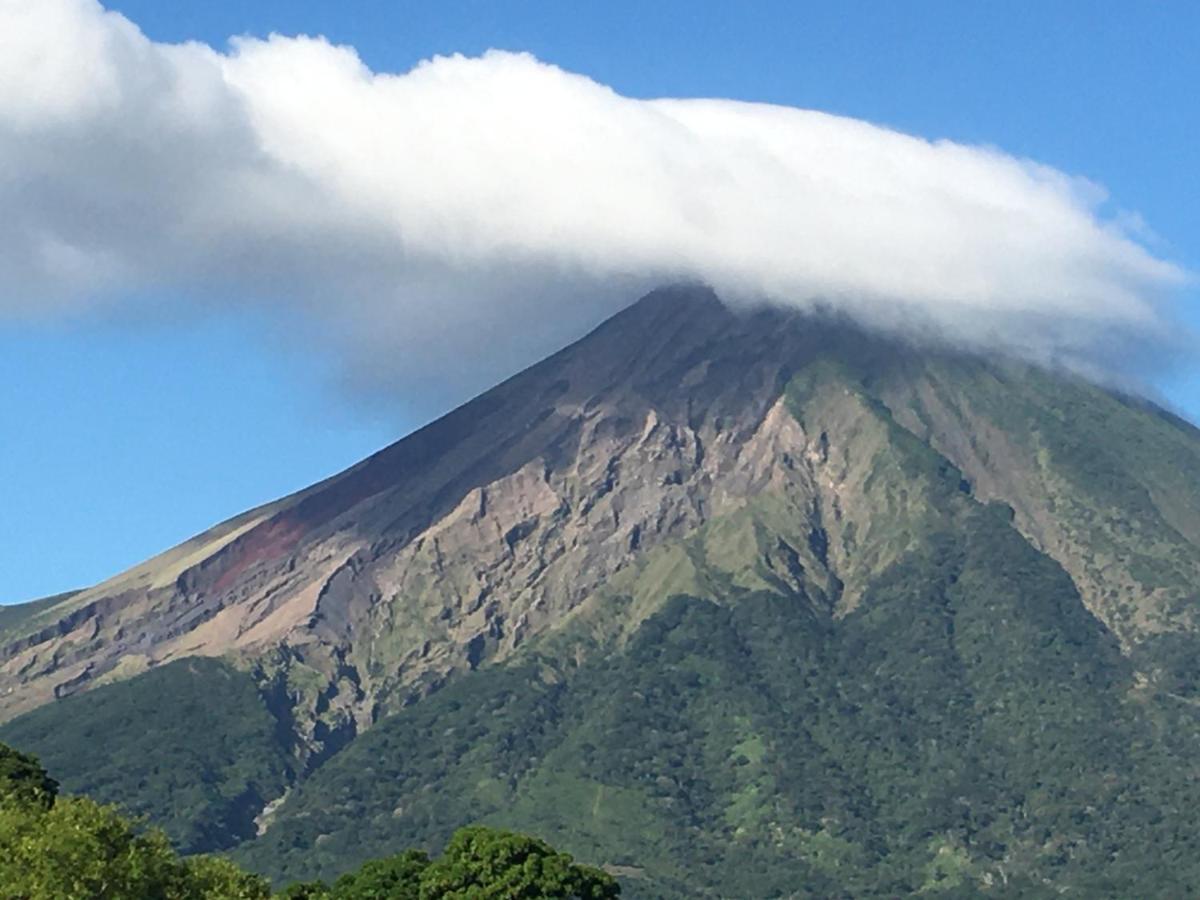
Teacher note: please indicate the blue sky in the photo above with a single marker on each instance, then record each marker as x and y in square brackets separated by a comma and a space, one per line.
[127, 434]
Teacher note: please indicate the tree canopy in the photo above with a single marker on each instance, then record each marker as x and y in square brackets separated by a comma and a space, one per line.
[72, 848]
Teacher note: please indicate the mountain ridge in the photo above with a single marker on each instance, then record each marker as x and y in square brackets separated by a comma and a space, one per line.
[684, 463]
[208, 571]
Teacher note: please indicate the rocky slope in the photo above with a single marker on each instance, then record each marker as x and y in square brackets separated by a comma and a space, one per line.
[456, 544]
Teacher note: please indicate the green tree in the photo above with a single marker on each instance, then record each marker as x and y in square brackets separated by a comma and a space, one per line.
[484, 863]
[306, 890]
[394, 878]
[80, 850]
[23, 781]
[216, 878]
[73, 848]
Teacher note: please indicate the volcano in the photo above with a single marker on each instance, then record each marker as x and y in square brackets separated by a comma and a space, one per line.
[738, 603]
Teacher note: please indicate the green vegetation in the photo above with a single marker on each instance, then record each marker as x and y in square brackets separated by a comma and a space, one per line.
[72, 848]
[478, 863]
[13, 616]
[190, 745]
[967, 724]
[1111, 485]
[23, 782]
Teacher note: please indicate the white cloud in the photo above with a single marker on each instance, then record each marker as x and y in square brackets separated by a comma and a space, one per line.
[473, 204]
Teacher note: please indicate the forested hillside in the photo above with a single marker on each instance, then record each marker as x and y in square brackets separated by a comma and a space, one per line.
[56, 847]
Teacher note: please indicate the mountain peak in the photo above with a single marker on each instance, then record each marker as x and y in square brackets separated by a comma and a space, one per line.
[708, 571]
[492, 525]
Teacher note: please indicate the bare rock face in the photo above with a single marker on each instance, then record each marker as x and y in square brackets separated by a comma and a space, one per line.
[459, 543]
[570, 485]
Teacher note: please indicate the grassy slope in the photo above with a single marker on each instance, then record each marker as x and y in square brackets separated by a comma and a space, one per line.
[1109, 486]
[14, 616]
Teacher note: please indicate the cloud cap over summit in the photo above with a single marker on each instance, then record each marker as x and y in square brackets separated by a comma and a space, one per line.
[488, 208]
